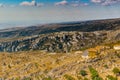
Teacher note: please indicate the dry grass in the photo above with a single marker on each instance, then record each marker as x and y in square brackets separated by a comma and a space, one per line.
[40, 64]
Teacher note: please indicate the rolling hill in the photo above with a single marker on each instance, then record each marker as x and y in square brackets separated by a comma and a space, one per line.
[60, 37]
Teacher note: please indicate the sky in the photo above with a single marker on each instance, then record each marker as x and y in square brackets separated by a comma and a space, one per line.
[20, 13]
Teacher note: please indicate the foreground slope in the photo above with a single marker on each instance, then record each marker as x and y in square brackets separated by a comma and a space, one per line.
[39, 65]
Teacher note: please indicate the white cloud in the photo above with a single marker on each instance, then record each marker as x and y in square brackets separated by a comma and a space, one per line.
[85, 4]
[96, 1]
[2, 5]
[64, 2]
[26, 3]
[32, 3]
[109, 2]
[79, 4]
[106, 2]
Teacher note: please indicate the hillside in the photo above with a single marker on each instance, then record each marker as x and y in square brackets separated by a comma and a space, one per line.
[60, 41]
[40, 65]
[62, 37]
[87, 50]
[86, 26]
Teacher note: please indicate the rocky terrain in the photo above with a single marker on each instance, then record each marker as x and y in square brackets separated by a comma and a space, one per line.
[62, 37]
[63, 51]
[54, 42]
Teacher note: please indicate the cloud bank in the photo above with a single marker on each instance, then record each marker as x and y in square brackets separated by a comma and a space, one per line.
[2, 5]
[26, 3]
[32, 3]
[64, 2]
[105, 2]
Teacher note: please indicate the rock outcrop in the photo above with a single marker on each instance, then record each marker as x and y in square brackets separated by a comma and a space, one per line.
[55, 42]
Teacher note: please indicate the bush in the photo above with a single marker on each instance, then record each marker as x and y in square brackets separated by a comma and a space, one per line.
[109, 77]
[47, 78]
[94, 74]
[97, 78]
[116, 71]
[106, 66]
[17, 79]
[86, 78]
[68, 77]
[83, 72]
[28, 78]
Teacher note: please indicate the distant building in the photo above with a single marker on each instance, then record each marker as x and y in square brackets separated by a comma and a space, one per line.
[85, 54]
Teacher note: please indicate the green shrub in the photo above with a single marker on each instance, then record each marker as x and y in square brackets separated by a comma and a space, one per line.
[68, 77]
[17, 79]
[97, 78]
[86, 78]
[83, 72]
[94, 74]
[47, 78]
[116, 71]
[106, 66]
[110, 77]
[28, 78]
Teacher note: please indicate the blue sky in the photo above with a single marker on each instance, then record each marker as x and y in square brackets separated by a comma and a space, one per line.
[45, 1]
[19, 13]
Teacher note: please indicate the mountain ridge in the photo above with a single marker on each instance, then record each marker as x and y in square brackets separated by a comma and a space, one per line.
[64, 37]
[87, 26]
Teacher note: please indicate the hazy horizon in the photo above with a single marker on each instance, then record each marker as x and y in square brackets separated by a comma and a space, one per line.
[25, 13]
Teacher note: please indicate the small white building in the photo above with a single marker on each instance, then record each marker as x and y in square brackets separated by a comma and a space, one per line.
[85, 54]
[117, 47]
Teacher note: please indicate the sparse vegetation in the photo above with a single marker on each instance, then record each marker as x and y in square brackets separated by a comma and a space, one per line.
[68, 77]
[28, 78]
[116, 71]
[110, 77]
[32, 54]
[83, 72]
[47, 78]
[94, 74]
